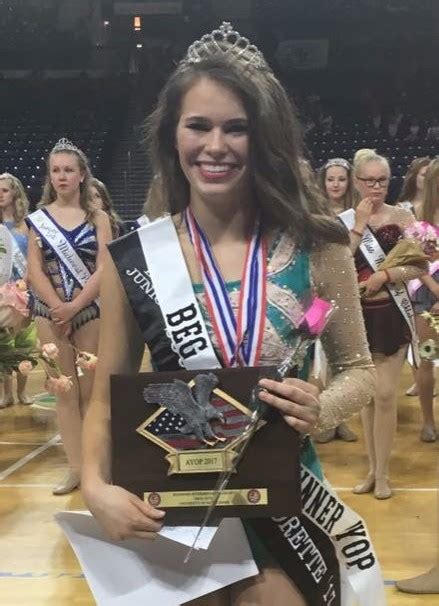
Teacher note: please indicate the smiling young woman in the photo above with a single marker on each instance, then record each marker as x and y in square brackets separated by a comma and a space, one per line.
[226, 148]
[336, 182]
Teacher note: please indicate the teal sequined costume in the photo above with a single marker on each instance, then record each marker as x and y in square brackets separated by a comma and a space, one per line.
[289, 291]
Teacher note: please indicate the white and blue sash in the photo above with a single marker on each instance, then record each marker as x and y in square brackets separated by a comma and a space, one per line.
[48, 231]
[18, 259]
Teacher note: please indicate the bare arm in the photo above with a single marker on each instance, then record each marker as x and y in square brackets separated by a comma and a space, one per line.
[25, 230]
[362, 215]
[36, 276]
[121, 347]
[431, 284]
[120, 351]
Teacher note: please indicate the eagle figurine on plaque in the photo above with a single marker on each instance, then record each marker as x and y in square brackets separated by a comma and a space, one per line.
[227, 453]
[197, 423]
[189, 425]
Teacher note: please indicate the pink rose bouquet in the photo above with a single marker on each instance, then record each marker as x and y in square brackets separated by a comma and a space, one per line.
[19, 350]
[426, 235]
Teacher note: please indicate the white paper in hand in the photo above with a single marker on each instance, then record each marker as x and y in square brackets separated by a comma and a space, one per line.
[134, 572]
[186, 535]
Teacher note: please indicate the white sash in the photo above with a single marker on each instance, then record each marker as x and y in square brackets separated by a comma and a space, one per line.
[374, 255]
[174, 293]
[173, 288]
[57, 241]
[18, 259]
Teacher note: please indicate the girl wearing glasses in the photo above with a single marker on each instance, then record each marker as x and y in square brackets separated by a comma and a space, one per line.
[389, 325]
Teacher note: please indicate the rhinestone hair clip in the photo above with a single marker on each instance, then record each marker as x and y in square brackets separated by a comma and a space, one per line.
[229, 43]
[65, 145]
[338, 162]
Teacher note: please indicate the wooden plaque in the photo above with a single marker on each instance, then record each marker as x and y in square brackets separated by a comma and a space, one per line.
[176, 471]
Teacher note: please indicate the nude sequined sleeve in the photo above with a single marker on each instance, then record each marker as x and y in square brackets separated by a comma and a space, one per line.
[352, 381]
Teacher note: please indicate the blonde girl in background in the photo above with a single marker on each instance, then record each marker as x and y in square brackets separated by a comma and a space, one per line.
[388, 332]
[14, 206]
[67, 240]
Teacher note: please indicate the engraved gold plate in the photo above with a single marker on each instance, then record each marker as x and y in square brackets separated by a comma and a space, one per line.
[203, 498]
[200, 461]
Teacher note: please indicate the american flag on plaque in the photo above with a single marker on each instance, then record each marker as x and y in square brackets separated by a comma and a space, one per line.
[169, 429]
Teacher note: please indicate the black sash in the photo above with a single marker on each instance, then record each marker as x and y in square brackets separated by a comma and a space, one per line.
[130, 263]
[305, 553]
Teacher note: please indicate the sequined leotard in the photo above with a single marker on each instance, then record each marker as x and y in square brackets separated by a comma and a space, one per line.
[83, 239]
[387, 331]
[293, 275]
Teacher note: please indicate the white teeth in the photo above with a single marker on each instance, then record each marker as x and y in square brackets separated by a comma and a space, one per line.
[216, 168]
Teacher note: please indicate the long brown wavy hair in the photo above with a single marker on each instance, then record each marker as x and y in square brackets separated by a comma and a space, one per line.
[280, 192]
[20, 199]
[430, 199]
[408, 190]
[107, 203]
[85, 199]
[350, 197]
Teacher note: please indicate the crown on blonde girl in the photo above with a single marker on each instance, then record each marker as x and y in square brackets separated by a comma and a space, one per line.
[65, 145]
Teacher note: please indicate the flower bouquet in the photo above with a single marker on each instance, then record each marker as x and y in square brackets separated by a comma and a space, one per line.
[19, 347]
[429, 350]
[427, 237]
[413, 248]
[17, 333]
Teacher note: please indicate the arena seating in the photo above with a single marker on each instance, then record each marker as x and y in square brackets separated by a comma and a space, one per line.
[95, 115]
[37, 114]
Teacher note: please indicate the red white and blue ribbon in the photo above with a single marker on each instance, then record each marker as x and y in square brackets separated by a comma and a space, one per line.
[239, 338]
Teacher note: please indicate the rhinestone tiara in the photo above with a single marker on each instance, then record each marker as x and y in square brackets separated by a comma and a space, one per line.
[65, 145]
[227, 42]
[338, 162]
